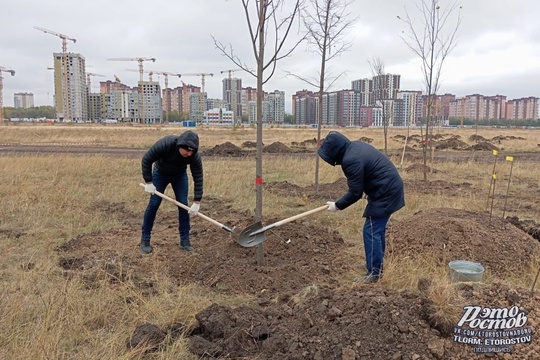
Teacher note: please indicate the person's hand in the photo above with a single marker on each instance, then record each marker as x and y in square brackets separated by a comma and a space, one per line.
[150, 188]
[194, 209]
[332, 206]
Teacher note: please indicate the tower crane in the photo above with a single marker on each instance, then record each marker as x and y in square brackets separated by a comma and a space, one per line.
[149, 72]
[233, 99]
[88, 75]
[167, 91]
[65, 83]
[140, 60]
[201, 99]
[12, 72]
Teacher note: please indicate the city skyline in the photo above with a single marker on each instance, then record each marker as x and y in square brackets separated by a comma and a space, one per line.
[488, 59]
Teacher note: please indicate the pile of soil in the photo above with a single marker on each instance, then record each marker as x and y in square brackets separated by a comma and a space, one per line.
[452, 234]
[277, 148]
[250, 144]
[484, 145]
[225, 149]
[454, 144]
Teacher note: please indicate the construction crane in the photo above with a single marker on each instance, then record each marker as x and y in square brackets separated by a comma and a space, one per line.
[233, 98]
[88, 75]
[12, 72]
[201, 98]
[150, 73]
[140, 60]
[167, 91]
[65, 83]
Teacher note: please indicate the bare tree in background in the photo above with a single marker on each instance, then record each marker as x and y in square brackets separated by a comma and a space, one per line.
[267, 31]
[381, 98]
[432, 41]
[326, 23]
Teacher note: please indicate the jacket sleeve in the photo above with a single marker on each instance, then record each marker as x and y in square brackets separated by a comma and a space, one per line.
[153, 154]
[196, 168]
[355, 182]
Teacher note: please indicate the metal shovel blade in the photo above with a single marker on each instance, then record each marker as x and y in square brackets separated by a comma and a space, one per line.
[247, 240]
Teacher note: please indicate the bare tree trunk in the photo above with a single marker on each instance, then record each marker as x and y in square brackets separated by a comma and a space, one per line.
[259, 169]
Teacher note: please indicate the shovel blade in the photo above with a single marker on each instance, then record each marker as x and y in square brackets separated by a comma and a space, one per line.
[247, 240]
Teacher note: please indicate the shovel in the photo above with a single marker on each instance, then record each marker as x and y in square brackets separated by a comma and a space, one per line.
[185, 207]
[254, 234]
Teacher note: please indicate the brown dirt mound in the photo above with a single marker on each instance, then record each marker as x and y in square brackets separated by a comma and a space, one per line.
[366, 139]
[355, 323]
[484, 145]
[225, 149]
[452, 234]
[249, 144]
[277, 148]
[453, 143]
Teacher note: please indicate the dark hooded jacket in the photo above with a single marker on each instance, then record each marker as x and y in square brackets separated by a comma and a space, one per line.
[368, 171]
[166, 158]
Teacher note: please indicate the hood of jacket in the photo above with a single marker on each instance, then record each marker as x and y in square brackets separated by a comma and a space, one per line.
[333, 147]
[188, 138]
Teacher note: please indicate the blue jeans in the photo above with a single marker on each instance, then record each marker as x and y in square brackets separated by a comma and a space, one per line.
[179, 183]
[374, 233]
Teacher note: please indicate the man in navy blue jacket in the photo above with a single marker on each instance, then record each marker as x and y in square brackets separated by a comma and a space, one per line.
[368, 171]
[166, 163]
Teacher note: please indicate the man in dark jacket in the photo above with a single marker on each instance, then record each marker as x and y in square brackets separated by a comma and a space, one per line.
[170, 157]
[368, 171]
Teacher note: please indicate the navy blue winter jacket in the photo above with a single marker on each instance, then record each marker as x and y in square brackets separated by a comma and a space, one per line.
[166, 158]
[368, 171]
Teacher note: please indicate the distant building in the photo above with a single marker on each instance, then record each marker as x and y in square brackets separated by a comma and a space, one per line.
[76, 91]
[232, 95]
[218, 116]
[276, 107]
[23, 100]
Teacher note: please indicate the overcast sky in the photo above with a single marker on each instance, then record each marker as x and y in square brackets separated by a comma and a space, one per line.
[497, 50]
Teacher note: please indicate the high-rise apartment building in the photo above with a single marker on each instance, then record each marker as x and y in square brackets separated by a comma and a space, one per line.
[23, 100]
[71, 95]
[248, 94]
[364, 88]
[305, 107]
[232, 95]
[151, 109]
[276, 107]
[386, 86]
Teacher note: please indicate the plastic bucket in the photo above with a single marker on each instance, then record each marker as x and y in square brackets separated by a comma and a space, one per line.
[465, 271]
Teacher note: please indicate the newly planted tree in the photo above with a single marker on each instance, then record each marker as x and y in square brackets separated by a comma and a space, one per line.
[269, 25]
[432, 39]
[326, 23]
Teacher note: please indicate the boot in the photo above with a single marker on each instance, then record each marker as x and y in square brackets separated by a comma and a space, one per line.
[145, 247]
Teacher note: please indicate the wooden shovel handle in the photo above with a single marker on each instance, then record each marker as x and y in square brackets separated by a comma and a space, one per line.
[185, 207]
[295, 217]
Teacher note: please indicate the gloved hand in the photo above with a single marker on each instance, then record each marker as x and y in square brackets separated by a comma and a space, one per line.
[194, 209]
[332, 206]
[150, 188]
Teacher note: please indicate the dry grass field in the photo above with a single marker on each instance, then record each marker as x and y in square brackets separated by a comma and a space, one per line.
[75, 286]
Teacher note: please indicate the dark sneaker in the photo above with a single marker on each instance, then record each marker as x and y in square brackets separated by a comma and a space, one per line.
[368, 279]
[186, 247]
[145, 247]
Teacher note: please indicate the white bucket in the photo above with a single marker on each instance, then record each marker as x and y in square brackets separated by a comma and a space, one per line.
[465, 271]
